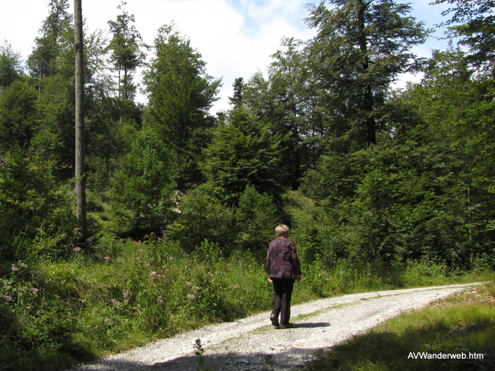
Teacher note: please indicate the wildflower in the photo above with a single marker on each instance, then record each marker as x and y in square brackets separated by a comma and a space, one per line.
[126, 294]
[76, 249]
[170, 258]
[115, 302]
[236, 287]
[23, 265]
[188, 283]
[160, 300]
[106, 258]
[28, 307]
[107, 320]
[6, 287]
[195, 288]
[14, 269]
[153, 273]
[141, 250]
[7, 298]
[34, 289]
[126, 301]
[89, 240]
[191, 296]
[94, 309]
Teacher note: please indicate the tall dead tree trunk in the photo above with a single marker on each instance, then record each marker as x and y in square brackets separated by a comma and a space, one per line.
[368, 92]
[79, 78]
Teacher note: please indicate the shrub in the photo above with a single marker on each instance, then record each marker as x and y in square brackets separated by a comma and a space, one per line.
[256, 217]
[142, 189]
[36, 217]
[204, 215]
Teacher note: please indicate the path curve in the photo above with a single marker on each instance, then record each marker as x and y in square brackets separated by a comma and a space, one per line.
[252, 344]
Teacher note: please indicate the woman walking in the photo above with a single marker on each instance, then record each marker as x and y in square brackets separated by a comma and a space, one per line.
[283, 268]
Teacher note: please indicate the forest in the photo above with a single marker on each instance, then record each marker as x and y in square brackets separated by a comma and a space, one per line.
[381, 187]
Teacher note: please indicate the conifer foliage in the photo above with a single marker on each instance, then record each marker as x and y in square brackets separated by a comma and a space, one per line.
[392, 175]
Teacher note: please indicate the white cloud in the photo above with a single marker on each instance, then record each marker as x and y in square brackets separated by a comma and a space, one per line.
[20, 22]
[229, 45]
[235, 37]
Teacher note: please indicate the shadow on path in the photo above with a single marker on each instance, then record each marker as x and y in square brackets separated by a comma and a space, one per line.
[216, 362]
[311, 324]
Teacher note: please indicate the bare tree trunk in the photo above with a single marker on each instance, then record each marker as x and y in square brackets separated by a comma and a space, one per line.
[368, 93]
[80, 177]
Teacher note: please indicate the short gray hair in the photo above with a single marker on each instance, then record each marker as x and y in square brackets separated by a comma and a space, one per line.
[281, 229]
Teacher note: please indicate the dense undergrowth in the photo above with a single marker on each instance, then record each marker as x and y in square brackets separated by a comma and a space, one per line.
[111, 293]
[117, 294]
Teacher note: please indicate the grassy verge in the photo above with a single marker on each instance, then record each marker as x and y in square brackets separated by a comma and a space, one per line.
[462, 326]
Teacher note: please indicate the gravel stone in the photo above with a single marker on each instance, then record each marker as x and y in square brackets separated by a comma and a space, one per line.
[253, 344]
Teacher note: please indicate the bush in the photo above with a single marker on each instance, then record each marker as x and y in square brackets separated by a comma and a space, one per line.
[257, 218]
[36, 216]
[142, 189]
[204, 216]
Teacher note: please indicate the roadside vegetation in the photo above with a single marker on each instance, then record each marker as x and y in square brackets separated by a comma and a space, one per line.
[117, 294]
[382, 188]
[457, 333]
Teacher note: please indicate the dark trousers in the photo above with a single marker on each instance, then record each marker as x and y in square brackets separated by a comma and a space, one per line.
[283, 295]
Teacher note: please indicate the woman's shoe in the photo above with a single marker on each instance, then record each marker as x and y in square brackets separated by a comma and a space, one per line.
[274, 321]
[289, 325]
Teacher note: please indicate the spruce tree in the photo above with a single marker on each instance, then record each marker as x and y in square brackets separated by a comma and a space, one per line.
[126, 55]
[180, 95]
[360, 48]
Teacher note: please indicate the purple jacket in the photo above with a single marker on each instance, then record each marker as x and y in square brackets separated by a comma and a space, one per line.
[282, 261]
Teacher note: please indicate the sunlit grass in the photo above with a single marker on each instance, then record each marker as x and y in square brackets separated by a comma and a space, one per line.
[462, 325]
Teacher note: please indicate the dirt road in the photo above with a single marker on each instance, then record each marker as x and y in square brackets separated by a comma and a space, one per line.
[252, 344]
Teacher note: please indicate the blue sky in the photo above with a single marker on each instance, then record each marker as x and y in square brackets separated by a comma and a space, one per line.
[235, 37]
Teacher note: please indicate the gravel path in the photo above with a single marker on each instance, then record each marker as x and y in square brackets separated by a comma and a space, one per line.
[252, 344]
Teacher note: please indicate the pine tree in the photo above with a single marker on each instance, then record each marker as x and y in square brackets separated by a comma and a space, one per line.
[125, 47]
[10, 65]
[474, 22]
[238, 98]
[243, 152]
[180, 95]
[43, 60]
[359, 50]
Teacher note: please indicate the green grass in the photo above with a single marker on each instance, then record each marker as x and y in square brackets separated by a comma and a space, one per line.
[119, 294]
[463, 325]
